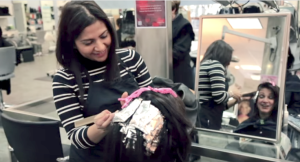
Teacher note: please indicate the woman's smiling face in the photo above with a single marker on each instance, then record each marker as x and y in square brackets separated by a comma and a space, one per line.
[94, 42]
[265, 101]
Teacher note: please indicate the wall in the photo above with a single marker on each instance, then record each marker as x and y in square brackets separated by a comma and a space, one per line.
[34, 3]
[7, 20]
[155, 46]
[268, 67]
[48, 22]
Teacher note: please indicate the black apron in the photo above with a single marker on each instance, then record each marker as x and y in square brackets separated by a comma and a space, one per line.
[211, 113]
[103, 96]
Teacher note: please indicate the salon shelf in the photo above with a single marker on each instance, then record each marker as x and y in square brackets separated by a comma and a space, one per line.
[4, 17]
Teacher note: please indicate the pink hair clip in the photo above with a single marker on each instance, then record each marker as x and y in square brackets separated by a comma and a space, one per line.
[273, 83]
[138, 92]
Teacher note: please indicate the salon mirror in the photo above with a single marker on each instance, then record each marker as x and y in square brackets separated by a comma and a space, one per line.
[260, 46]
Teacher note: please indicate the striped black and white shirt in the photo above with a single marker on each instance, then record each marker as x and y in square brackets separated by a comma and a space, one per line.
[66, 93]
[212, 82]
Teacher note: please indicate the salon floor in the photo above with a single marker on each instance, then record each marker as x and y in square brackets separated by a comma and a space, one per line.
[30, 84]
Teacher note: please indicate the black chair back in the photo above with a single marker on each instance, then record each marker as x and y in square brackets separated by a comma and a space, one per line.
[33, 141]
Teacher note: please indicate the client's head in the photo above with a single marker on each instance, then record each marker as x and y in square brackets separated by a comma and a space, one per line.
[266, 105]
[164, 138]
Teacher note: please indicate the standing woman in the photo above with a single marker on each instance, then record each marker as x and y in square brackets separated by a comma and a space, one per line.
[212, 86]
[182, 36]
[93, 77]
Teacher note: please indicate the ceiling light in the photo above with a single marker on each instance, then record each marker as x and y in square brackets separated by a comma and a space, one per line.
[255, 77]
[237, 67]
[244, 23]
[250, 67]
[269, 65]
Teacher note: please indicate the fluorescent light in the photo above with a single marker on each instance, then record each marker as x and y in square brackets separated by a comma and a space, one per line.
[255, 77]
[237, 67]
[269, 65]
[250, 67]
[244, 23]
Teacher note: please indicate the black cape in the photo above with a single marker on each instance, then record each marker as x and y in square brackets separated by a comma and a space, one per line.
[292, 93]
[257, 127]
[183, 36]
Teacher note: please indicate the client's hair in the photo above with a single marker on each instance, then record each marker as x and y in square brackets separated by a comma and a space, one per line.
[174, 140]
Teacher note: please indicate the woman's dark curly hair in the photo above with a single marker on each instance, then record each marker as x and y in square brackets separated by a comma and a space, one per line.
[174, 137]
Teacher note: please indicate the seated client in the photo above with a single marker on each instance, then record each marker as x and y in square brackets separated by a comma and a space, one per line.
[151, 128]
[263, 122]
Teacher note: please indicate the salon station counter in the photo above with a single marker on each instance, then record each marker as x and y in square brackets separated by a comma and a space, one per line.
[294, 131]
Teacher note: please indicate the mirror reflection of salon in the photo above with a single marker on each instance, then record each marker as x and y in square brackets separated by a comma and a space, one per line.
[228, 91]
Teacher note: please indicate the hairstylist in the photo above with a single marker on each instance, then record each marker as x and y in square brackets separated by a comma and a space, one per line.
[95, 75]
[212, 86]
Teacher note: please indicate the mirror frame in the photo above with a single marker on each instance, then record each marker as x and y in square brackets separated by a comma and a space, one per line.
[283, 60]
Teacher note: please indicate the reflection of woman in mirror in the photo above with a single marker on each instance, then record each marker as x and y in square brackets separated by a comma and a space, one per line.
[212, 86]
[244, 110]
[263, 121]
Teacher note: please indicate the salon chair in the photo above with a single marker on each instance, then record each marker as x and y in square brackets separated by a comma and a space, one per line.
[7, 67]
[34, 141]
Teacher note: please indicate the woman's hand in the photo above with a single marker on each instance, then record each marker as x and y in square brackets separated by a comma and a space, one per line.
[103, 120]
[124, 95]
[236, 95]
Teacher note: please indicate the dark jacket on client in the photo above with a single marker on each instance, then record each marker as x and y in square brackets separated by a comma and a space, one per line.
[257, 127]
[292, 93]
[183, 36]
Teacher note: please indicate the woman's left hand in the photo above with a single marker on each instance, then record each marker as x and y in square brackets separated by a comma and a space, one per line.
[124, 95]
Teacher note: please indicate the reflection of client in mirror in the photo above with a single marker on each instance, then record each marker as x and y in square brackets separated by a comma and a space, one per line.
[244, 110]
[263, 121]
[213, 95]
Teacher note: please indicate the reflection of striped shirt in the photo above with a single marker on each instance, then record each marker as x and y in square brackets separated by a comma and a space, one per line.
[66, 94]
[212, 82]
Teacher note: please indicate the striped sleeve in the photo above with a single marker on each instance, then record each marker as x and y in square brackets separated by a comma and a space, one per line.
[69, 110]
[216, 74]
[138, 67]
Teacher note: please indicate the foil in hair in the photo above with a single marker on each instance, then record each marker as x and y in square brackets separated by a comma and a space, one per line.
[144, 115]
[152, 139]
[125, 114]
[146, 118]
